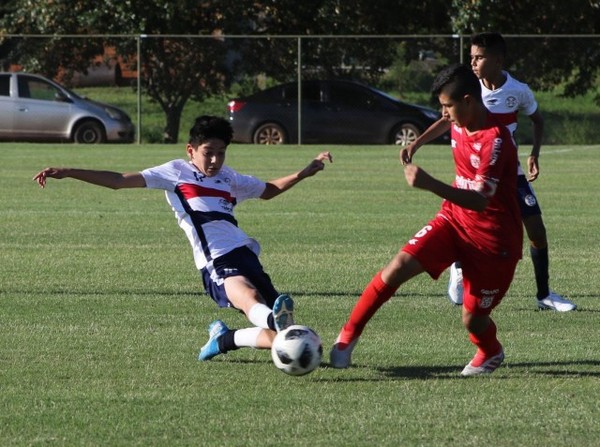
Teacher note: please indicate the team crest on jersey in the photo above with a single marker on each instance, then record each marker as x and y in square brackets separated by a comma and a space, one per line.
[477, 147]
[530, 200]
[475, 161]
[511, 102]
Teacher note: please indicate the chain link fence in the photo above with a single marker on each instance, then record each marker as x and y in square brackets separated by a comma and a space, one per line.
[156, 76]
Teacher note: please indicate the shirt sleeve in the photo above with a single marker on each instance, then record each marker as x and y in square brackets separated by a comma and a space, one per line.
[246, 186]
[164, 176]
[528, 105]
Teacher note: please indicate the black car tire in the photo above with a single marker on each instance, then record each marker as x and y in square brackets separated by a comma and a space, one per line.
[404, 134]
[89, 132]
[269, 133]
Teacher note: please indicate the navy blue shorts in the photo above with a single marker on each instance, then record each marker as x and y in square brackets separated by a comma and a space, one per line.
[527, 199]
[239, 262]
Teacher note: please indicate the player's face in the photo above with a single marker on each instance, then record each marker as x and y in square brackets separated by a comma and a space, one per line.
[455, 111]
[209, 156]
[484, 64]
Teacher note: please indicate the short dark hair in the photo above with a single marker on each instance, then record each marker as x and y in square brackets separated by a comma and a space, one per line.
[456, 81]
[206, 127]
[492, 42]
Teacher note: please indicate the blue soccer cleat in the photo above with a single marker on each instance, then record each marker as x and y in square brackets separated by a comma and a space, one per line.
[283, 312]
[211, 348]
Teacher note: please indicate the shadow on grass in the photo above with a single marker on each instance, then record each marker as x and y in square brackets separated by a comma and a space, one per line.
[553, 369]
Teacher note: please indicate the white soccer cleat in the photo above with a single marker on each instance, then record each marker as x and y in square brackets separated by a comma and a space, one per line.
[556, 302]
[487, 367]
[455, 285]
[341, 358]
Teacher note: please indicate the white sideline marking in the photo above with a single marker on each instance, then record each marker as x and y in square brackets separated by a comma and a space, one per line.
[562, 151]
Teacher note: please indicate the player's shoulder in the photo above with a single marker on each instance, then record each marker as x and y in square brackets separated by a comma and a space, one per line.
[227, 170]
[176, 163]
[515, 83]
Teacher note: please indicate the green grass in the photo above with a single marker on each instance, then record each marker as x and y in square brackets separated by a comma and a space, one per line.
[102, 316]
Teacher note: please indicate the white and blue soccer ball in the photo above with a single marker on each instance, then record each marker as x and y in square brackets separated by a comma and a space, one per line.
[297, 350]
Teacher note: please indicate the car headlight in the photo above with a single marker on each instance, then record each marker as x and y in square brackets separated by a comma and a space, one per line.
[114, 114]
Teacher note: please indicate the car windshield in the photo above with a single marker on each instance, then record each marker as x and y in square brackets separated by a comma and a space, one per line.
[382, 93]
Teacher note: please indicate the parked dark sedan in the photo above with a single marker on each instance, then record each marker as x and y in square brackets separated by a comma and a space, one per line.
[334, 112]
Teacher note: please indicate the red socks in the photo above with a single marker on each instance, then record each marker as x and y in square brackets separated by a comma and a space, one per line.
[375, 294]
[487, 344]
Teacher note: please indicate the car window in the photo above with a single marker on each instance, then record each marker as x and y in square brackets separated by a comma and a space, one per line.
[4, 85]
[350, 96]
[36, 89]
[310, 92]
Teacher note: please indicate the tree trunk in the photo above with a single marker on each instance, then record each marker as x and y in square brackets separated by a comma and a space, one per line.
[173, 121]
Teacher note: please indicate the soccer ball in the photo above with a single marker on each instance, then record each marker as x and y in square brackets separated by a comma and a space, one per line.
[297, 350]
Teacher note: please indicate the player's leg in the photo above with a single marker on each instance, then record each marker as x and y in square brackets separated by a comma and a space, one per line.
[379, 290]
[482, 333]
[223, 339]
[242, 295]
[536, 233]
[485, 284]
[239, 281]
[421, 253]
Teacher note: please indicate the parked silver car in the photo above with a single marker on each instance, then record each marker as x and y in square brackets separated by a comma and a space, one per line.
[34, 108]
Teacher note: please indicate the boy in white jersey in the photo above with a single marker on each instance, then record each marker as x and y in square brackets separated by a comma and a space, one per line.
[203, 192]
[505, 97]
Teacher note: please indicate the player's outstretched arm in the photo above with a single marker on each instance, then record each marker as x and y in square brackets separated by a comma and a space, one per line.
[277, 186]
[108, 179]
[434, 131]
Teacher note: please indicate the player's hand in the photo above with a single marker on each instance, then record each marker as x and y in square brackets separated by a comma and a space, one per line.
[405, 155]
[417, 177]
[318, 164]
[533, 168]
[41, 176]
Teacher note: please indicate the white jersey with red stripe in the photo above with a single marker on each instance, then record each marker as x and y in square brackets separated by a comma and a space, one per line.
[507, 101]
[204, 206]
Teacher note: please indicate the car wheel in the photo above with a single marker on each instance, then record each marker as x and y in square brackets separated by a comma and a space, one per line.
[89, 132]
[269, 133]
[405, 134]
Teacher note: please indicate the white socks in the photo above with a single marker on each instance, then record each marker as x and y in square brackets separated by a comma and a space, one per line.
[247, 337]
[259, 315]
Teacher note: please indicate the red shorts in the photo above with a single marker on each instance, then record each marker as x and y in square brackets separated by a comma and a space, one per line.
[486, 277]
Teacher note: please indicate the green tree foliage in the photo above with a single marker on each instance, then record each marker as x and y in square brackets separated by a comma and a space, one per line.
[545, 61]
[179, 67]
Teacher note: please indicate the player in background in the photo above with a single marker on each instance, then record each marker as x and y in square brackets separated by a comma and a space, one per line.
[505, 96]
[479, 224]
[203, 192]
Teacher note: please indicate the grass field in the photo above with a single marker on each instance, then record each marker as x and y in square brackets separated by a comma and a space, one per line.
[102, 315]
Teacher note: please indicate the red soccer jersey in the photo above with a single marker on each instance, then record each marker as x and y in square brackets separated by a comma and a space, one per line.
[486, 161]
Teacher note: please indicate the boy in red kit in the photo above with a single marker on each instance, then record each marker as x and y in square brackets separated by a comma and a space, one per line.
[479, 224]
[505, 96]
